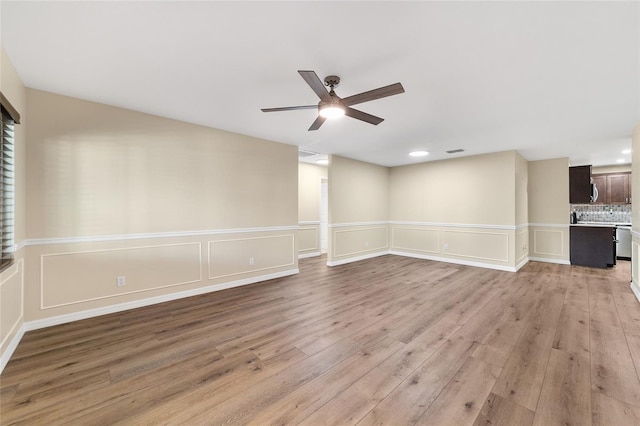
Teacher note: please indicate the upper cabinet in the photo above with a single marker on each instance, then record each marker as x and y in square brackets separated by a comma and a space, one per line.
[612, 188]
[580, 185]
[618, 188]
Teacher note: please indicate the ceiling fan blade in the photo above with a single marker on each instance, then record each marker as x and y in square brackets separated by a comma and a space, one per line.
[381, 92]
[316, 124]
[357, 114]
[316, 84]
[291, 108]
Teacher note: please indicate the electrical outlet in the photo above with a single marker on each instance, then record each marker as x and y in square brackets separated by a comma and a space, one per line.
[446, 246]
[120, 281]
[366, 243]
[252, 261]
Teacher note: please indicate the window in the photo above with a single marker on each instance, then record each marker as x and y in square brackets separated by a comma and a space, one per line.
[7, 182]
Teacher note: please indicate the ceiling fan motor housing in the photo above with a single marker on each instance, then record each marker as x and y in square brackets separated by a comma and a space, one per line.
[332, 81]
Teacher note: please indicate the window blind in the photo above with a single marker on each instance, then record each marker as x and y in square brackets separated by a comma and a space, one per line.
[7, 189]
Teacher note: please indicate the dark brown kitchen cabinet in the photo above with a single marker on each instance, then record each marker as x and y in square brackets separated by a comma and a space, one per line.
[580, 184]
[618, 191]
[613, 188]
[592, 246]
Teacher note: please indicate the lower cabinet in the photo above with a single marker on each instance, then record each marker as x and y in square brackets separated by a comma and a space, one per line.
[592, 246]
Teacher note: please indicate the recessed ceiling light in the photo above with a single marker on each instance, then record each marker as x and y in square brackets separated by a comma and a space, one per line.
[322, 162]
[418, 153]
[626, 151]
[620, 160]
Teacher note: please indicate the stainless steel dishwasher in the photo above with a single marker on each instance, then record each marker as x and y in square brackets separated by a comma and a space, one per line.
[623, 246]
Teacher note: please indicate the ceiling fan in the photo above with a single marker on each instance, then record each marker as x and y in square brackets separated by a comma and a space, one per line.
[331, 105]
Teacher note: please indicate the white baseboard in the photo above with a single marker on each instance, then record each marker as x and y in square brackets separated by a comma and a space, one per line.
[306, 255]
[550, 260]
[357, 258]
[90, 313]
[635, 290]
[13, 344]
[522, 263]
[456, 261]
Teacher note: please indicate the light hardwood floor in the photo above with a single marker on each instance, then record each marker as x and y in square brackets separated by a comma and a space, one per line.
[390, 340]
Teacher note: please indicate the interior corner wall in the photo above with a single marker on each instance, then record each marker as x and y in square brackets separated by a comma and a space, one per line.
[358, 210]
[12, 278]
[175, 208]
[460, 210]
[522, 210]
[635, 195]
[309, 181]
[549, 210]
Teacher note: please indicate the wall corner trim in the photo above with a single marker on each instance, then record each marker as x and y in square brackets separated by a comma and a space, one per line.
[13, 344]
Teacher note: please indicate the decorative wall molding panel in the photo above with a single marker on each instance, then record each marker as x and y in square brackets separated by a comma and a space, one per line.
[237, 256]
[82, 276]
[308, 239]
[548, 242]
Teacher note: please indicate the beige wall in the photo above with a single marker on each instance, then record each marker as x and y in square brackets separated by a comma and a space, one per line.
[522, 189]
[459, 210]
[173, 207]
[12, 279]
[358, 210]
[100, 170]
[358, 191]
[309, 179]
[444, 191]
[549, 210]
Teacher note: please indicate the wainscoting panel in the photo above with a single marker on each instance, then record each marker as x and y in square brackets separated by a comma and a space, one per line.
[481, 245]
[415, 239]
[359, 241]
[231, 257]
[81, 276]
[547, 242]
[11, 301]
[309, 240]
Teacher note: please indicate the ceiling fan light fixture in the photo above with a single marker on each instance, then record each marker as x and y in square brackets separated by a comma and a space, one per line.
[331, 111]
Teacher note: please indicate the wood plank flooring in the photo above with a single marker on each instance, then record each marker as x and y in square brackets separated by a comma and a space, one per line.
[386, 341]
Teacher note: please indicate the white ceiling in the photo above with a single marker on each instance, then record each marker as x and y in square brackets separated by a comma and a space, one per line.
[549, 79]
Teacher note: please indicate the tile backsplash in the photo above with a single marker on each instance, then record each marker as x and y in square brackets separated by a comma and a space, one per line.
[602, 212]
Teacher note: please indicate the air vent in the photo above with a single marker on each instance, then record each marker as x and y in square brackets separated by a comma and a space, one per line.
[304, 154]
[455, 151]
